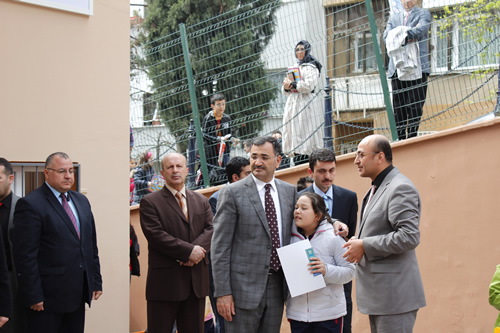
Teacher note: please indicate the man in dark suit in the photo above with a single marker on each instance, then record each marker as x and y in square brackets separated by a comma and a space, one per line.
[8, 200]
[55, 251]
[388, 284]
[342, 205]
[254, 218]
[6, 179]
[178, 226]
[237, 169]
[5, 293]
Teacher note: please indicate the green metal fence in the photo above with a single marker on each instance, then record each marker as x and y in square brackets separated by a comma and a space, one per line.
[245, 54]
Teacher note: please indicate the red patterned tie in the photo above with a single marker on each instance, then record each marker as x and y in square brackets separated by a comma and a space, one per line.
[272, 220]
[68, 210]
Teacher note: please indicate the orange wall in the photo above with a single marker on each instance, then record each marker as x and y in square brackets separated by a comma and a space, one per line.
[65, 87]
[457, 173]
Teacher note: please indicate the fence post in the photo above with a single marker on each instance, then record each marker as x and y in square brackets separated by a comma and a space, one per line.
[327, 138]
[191, 155]
[497, 107]
[381, 70]
[194, 104]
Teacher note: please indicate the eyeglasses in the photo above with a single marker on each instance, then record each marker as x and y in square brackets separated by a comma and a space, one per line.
[62, 171]
[361, 154]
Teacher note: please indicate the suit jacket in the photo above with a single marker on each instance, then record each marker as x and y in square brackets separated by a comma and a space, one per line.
[213, 201]
[171, 238]
[345, 206]
[50, 259]
[5, 292]
[420, 23]
[241, 246]
[387, 277]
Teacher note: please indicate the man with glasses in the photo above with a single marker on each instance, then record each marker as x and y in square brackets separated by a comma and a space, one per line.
[55, 251]
[388, 284]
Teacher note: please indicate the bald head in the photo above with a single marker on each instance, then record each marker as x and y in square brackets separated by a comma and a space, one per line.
[373, 156]
[380, 144]
[175, 170]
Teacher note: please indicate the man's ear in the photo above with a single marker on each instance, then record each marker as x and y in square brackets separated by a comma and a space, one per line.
[235, 178]
[278, 161]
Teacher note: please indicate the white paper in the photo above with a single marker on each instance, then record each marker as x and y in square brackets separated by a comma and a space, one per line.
[294, 262]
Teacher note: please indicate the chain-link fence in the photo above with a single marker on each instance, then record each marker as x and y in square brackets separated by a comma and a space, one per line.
[246, 53]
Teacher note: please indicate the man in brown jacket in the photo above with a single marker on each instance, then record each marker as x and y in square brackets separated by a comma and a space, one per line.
[178, 226]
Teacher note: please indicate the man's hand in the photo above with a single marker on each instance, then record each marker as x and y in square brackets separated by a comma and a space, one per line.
[3, 320]
[225, 307]
[96, 294]
[37, 307]
[355, 250]
[189, 263]
[340, 228]
[197, 254]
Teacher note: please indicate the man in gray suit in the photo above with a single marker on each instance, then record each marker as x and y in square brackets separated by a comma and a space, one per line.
[408, 96]
[254, 218]
[388, 284]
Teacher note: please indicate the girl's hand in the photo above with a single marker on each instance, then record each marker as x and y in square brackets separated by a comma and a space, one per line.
[287, 83]
[317, 266]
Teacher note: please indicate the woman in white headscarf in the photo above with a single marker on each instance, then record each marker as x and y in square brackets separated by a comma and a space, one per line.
[302, 129]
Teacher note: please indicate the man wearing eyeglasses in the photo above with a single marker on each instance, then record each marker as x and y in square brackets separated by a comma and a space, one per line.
[55, 251]
[388, 284]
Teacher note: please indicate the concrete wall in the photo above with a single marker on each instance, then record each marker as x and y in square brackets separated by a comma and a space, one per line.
[65, 87]
[457, 174]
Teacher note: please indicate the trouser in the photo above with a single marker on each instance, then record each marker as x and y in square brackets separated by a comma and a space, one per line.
[408, 98]
[327, 326]
[188, 314]
[266, 318]
[396, 323]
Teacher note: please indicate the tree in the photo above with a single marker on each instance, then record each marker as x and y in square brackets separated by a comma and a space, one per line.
[477, 19]
[225, 38]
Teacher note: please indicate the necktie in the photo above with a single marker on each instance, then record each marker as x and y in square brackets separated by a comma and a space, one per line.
[272, 220]
[406, 17]
[325, 197]
[68, 210]
[372, 191]
[181, 203]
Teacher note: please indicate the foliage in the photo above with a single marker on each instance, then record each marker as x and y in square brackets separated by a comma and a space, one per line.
[476, 19]
[225, 38]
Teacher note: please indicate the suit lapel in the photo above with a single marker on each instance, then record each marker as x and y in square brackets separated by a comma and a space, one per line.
[376, 197]
[80, 212]
[254, 198]
[285, 203]
[58, 208]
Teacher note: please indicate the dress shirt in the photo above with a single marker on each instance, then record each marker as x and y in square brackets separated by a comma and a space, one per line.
[274, 193]
[70, 203]
[380, 178]
[174, 192]
[329, 195]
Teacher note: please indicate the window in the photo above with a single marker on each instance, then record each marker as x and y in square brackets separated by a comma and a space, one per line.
[365, 60]
[29, 176]
[455, 49]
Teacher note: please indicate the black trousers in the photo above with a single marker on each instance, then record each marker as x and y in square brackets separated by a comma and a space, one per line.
[408, 98]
